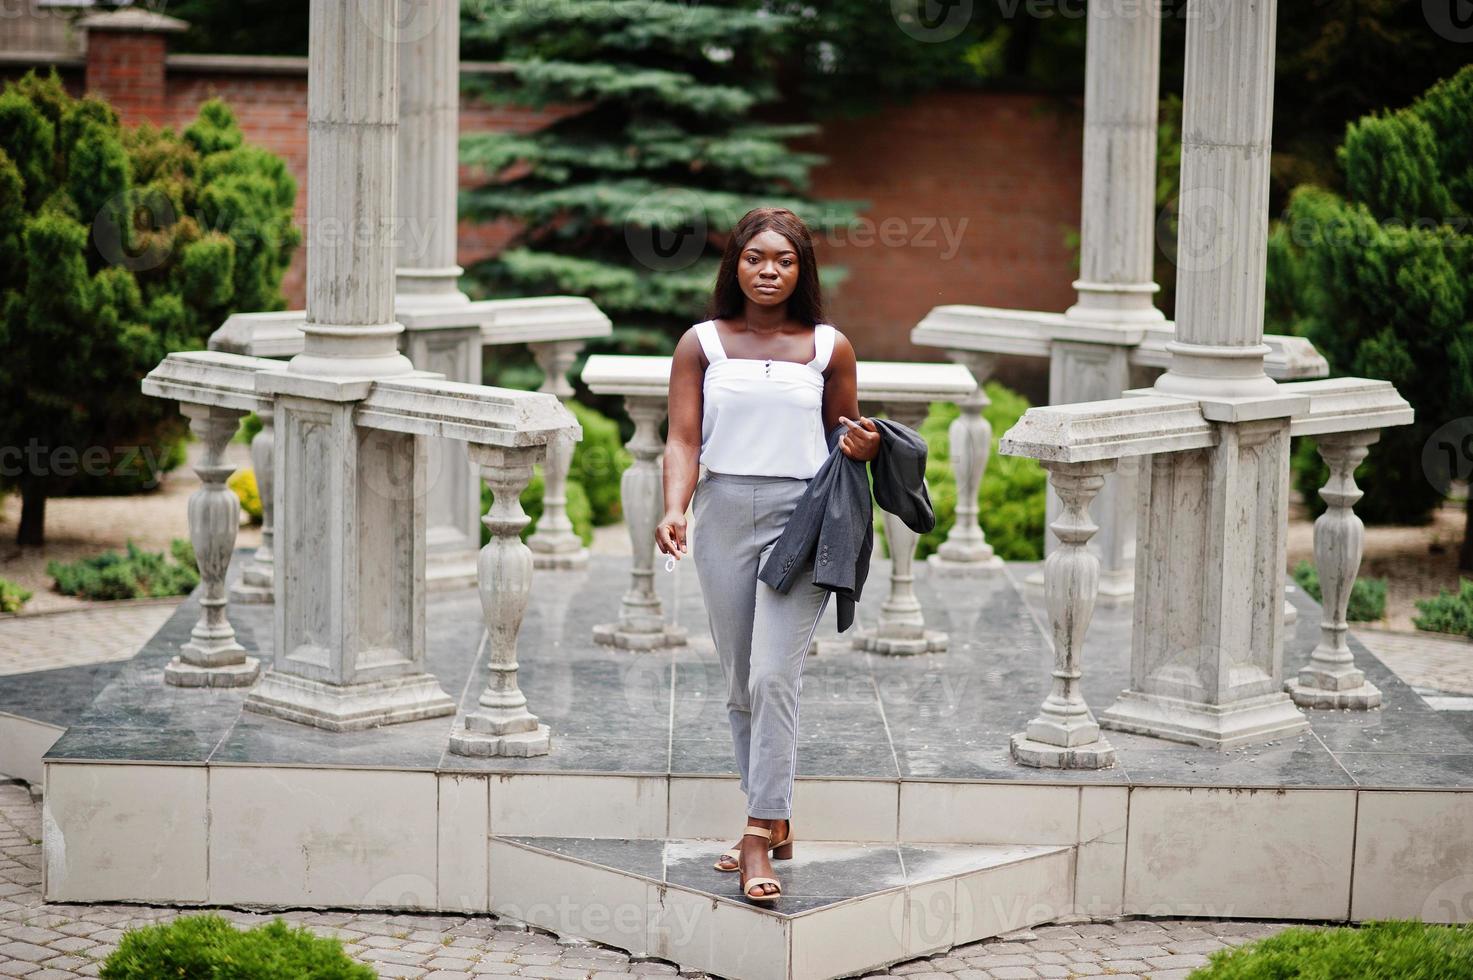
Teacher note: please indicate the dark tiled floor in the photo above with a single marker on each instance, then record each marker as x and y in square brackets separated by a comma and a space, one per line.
[935, 716]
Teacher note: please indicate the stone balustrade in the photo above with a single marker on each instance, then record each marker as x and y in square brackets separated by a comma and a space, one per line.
[1079, 444]
[507, 432]
[554, 328]
[902, 391]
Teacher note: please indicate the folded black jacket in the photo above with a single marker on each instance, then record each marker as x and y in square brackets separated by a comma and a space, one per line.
[832, 526]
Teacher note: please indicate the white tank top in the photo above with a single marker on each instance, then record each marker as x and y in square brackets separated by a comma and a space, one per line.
[763, 417]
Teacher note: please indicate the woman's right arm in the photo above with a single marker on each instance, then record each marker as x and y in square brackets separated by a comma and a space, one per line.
[683, 444]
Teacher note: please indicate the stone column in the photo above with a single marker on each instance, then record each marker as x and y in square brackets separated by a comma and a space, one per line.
[1331, 679]
[1117, 240]
[502, 724]
[350, 502]
[901, 626]
[212, 657]
[969, 441]
[1206, 654]
[1065, 734]
[554, 544]
[641, 624]
[442, 331]
[257, 580]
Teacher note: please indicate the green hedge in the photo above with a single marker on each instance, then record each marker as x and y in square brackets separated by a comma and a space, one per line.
[12, 596]
[579, 510]
[134, 574]
[1377, 951]
[1447, 612]
[1367, 595]
[1011, 498]
[207, 947]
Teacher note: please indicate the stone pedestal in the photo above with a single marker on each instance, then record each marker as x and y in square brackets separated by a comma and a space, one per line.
[212, 657]
[1331, 679]
[1207, 643]
[901, 627]
[641, 624]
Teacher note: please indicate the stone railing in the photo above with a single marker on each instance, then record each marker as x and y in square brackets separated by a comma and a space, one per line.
[555, 328]
[899, 390]
[506, 432]
[1089, 361]
[1239, 657]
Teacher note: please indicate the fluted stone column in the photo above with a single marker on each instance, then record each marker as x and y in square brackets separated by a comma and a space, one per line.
[1331, 679]
[350, 501]
[554, 544]
[901, 625]
[969, 441]
[641, 624]
[1206, 656]
[258, 578]
[502, 724]
[212, 657]
[1116, 284]
[442, 330]
[1065, 734]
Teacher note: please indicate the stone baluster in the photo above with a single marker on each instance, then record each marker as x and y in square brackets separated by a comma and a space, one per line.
[969, 440]
[1331, 679]
[901, 627]
[258, 578]
[1065, 734]
[641, 624]
[503, 725]
[212, 657]
[554, 544]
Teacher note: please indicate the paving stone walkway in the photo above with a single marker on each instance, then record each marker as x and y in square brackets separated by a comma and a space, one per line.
[1433, 661]
[100, 634]
[39, 941]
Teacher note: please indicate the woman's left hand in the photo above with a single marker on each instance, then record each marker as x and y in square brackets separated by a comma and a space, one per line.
[861, 444]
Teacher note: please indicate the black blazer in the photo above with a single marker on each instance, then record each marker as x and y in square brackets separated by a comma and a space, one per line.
[832, 528]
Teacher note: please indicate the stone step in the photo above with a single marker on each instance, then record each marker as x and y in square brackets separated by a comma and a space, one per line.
[846, 907]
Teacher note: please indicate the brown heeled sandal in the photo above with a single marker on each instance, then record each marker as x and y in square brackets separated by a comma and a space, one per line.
[747, 883]
[781, 851]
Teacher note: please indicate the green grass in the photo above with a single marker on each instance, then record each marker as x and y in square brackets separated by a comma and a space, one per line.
[208, 947]
[1376, 951]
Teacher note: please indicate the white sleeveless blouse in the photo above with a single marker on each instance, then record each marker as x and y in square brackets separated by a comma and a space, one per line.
[763, 417]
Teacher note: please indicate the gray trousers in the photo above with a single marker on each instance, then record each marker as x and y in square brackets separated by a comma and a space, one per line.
[762, 636]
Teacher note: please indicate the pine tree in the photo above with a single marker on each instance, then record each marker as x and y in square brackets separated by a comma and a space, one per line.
[625, 202]
[1381, 281]
[117, 247]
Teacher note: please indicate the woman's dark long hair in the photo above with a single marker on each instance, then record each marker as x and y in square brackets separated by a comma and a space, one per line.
[805, 304]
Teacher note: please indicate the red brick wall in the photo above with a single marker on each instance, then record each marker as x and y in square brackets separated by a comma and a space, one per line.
[1007, 164]
[127, 69]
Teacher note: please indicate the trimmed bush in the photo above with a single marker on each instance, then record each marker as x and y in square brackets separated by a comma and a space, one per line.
[135, 574]
[1447, 612]
[1011, 499]
[12, 596]
[599, 461]
[1376, 951]
[207, 947]
[1367, 595]
[243, 482]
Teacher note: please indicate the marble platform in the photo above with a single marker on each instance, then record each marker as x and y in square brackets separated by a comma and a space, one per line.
[156, 793]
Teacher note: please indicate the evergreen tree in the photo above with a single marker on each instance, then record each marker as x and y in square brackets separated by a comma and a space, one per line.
[117, 247]
[1381, 281]
[626, 201]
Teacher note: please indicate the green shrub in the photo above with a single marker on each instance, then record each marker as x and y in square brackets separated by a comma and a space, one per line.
[207, 947]
[1376, 951]
[1367, 595]
[1011, 498]
[599, 461]
[249, 426]
[243, 482]
[578, 509]
[135, 574]
[1447, 612]
[12, 596]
